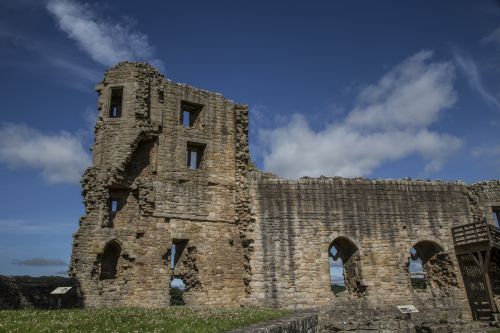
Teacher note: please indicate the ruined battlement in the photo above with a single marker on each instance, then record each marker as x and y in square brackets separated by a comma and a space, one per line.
[172, 193]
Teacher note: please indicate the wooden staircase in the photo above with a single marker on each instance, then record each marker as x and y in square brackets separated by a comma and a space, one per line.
[477, 245]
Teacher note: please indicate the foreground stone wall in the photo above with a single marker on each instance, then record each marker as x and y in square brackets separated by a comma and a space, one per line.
[20, 292]
[305, 322]
[356, 316]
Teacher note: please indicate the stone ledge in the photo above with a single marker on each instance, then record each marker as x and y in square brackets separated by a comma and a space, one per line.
[299, 322]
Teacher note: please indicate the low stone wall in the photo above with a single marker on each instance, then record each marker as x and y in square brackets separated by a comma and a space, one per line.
[358, 316]
[19, 292]
[302, 322]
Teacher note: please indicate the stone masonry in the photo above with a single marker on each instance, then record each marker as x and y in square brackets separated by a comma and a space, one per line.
[171, 169]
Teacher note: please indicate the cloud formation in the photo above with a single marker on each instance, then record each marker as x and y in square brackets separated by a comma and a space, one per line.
[60, 157]
[39, 262]
[469, 67]
[389, 122]
[494, 37]
[104, 41]
[12, 226]
[74, 72]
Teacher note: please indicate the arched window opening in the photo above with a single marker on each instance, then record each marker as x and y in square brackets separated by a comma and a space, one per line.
[418, 278]
[345, 268]
[431, 268]
[109, 260]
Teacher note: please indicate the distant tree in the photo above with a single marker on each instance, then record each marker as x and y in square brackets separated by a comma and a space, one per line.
[337, 288]
[176, 296]
[418, 283]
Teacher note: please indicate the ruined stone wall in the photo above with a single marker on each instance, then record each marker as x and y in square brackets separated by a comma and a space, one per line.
[296, 221]
[300, 322]
[140, 160]
[486, 197]
[243, 237]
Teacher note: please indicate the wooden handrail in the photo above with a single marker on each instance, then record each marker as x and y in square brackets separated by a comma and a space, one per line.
[476, 233]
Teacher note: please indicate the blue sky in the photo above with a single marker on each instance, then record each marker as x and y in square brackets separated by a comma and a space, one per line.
[385, 89]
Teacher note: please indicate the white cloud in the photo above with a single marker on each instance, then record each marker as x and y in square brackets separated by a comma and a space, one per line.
[106, 42]
[85, 73]
[493, 150]
[389, 122]
[469, 67]
[73, 71]
[17, 226]
[494, 37]
[396, 100]
[60, 157]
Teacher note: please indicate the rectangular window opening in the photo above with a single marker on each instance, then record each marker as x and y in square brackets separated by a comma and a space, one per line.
[195, 154]
[190, 113]
[186, 119]
[115, 103]
[114, 205]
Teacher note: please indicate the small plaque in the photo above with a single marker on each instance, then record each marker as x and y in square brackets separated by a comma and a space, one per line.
[407, 309]
[60, 290]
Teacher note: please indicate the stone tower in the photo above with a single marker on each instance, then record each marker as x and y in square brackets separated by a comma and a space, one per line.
[168, 163]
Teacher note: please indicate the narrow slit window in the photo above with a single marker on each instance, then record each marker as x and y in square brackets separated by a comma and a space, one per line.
[195, 155]
[172, 257]
[115, 103]
[190, 113]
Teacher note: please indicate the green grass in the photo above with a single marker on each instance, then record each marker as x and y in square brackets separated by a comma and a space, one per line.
[179, 319]
[176, 296]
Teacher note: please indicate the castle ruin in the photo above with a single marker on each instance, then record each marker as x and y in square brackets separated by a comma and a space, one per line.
[171, 169]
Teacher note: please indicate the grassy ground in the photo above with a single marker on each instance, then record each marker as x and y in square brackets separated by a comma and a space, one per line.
[173, 319]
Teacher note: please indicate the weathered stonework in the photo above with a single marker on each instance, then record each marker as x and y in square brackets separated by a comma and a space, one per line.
[140, 161]
[243, 237]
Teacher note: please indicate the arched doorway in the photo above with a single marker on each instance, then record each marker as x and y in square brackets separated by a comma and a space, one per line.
[109, 260]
